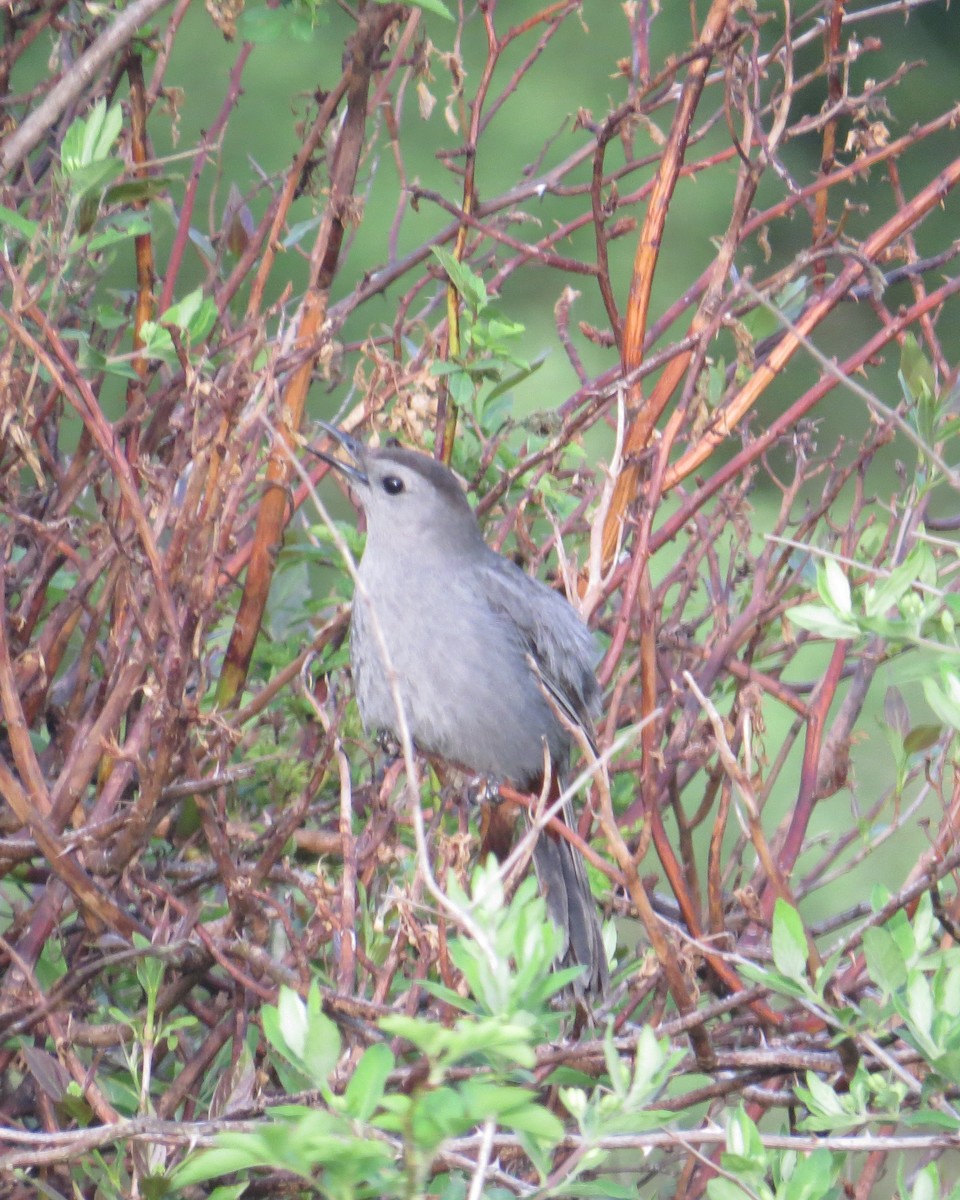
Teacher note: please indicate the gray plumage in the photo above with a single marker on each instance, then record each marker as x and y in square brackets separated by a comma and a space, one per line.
[473, 642]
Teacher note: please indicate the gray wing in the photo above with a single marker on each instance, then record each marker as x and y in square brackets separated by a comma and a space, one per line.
[562, 653]
[562, 649]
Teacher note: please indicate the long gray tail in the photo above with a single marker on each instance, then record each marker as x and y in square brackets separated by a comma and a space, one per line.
[570, 903]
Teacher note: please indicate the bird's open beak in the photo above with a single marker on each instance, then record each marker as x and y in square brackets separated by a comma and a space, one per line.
[353, 470]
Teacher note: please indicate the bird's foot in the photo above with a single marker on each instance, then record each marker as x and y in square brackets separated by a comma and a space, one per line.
[483, 789]
[387, 742]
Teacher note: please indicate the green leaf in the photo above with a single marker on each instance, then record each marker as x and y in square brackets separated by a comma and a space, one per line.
[930, 1118]
[208, 1164]
[725, 1189]
[834, 587]
[926, 1185]
[462, 389]
[536, 1121]
[885, 962]
[760, 323]
[194, 316]
[921, 738]
[299, 231]
[902, 933]
[183, 312]
[792, 298]
[426, 1037]
[889, 591]
[511, 381]
[91, 140]
[157, 342]
[119, 231]
[819, 619]
[303, 1034]
[920, 1003]
[916, 372]
[943, 700]
[138, 189]
[743, 1140]
[821, 1099]
[102, 134]
[75, 145]
[788, 942]
[813, 1176]
[470, 286]
[21, 224]
[365, 1089]
[93, 178]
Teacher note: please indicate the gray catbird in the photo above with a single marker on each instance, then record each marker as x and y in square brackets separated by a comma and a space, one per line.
[474, 643]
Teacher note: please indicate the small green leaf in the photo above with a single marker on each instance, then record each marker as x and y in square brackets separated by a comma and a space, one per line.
[181, 313]
[921, 738]
[822, 1099]
[943, 702]
[743, 1140]
[536, 1121]
[885, 962]
[470, 286]
[817, 618]
[462, 389]
[890, 590]
[91, 140]
[119, 232]
[365, 1089]
[813, 1177]
[726, 1189]
[788, 942]
[916, 372]
[94, 177]
[303, 1034]
[138, 189]
[109, 316]
[834, 587]
[13, 219]
[920, 1003]
[926, 1185]
[76, 141]
[791, 299]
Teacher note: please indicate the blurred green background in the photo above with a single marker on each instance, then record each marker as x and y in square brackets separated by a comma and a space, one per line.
[577, 71]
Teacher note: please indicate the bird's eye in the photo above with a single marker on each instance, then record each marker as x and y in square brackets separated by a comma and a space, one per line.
[392, 485]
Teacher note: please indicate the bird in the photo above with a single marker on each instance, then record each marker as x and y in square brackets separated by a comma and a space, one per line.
[482, 655]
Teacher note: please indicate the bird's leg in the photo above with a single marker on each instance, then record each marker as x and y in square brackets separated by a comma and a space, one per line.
[498, 818]
[388, 743]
